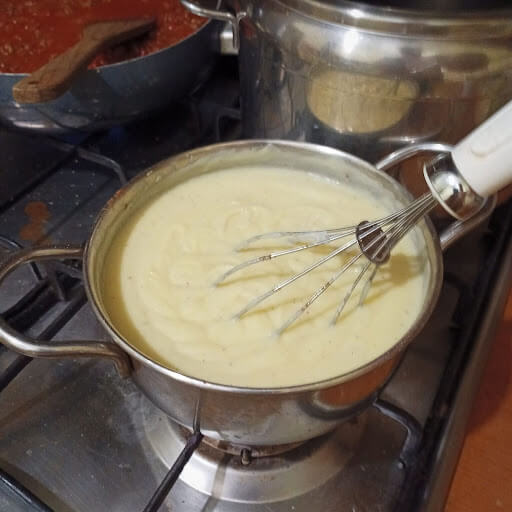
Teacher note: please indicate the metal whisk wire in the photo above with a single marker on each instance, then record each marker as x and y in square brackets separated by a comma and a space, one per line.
[375, 244]
[455, 181]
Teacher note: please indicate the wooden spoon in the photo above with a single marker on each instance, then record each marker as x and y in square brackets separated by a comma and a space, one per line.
[55, 77]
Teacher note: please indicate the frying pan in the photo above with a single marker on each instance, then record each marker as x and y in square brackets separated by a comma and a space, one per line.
[117, 93]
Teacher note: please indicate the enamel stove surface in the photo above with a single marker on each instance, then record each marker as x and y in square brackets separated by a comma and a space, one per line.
[74, 436]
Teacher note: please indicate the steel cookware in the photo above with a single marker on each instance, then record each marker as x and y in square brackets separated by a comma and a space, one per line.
[240, 415]
[368, 77]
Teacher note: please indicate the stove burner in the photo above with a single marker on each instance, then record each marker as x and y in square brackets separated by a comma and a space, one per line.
[246, 453]
[256, 475]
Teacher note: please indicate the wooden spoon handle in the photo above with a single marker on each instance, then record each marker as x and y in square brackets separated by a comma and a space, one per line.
[56, 76]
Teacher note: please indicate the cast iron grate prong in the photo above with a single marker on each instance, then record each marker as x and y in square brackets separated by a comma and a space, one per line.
[173, 474]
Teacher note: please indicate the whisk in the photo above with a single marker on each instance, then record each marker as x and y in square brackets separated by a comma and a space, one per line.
[478, 166]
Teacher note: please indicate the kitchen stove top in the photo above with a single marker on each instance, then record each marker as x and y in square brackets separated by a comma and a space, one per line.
[74, 436]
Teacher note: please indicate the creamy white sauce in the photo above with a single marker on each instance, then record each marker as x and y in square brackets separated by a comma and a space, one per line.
[160, 270]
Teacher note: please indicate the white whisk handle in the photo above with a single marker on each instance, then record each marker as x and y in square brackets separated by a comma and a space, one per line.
[484, 157]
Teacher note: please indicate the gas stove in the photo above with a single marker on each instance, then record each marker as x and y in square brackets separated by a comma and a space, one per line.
[74, 436]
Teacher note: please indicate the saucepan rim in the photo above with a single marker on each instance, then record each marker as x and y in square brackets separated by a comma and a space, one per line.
[106, 215]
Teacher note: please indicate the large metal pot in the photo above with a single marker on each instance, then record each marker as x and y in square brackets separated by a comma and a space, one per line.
[364, 78]
[117, 93]
[240, 415]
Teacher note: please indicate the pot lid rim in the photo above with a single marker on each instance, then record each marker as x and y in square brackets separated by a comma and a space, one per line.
[406, 21]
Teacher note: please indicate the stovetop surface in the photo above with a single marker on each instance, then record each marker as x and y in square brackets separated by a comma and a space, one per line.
[76, 435]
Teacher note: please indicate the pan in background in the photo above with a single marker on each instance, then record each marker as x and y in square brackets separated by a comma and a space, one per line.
[117, 93]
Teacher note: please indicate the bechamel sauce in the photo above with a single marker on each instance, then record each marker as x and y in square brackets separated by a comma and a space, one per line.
[159, 273]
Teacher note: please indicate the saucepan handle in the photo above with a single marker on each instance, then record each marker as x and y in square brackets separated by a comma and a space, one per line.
[458, 229]
[33, 348]
[195, 7]
[466, 178]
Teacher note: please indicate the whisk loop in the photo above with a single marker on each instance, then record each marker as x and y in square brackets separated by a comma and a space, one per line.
[375, 240]
[330, 236]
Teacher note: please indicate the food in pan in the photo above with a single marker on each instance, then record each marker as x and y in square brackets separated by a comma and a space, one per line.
[34, 31]
[160, 270]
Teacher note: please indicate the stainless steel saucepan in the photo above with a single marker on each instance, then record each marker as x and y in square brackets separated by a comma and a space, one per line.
[368, 76]
[241, 415]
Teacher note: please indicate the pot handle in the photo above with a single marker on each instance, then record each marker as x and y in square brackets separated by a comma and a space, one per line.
[195, 7]
[458, 229]
[32, 348]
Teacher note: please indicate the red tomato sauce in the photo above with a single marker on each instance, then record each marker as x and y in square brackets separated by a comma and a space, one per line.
[34, 31]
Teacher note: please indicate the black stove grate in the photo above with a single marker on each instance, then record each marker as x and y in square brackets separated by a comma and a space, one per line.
[22, 495]
[208, 115]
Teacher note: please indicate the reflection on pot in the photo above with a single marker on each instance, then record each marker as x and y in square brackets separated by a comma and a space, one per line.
[368, 79]
[357, 103]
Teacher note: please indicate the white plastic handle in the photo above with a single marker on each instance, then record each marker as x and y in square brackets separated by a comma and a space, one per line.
[484, 157]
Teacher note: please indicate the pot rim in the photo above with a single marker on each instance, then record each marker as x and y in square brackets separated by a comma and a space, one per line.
[407, 22]
[399, 346]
